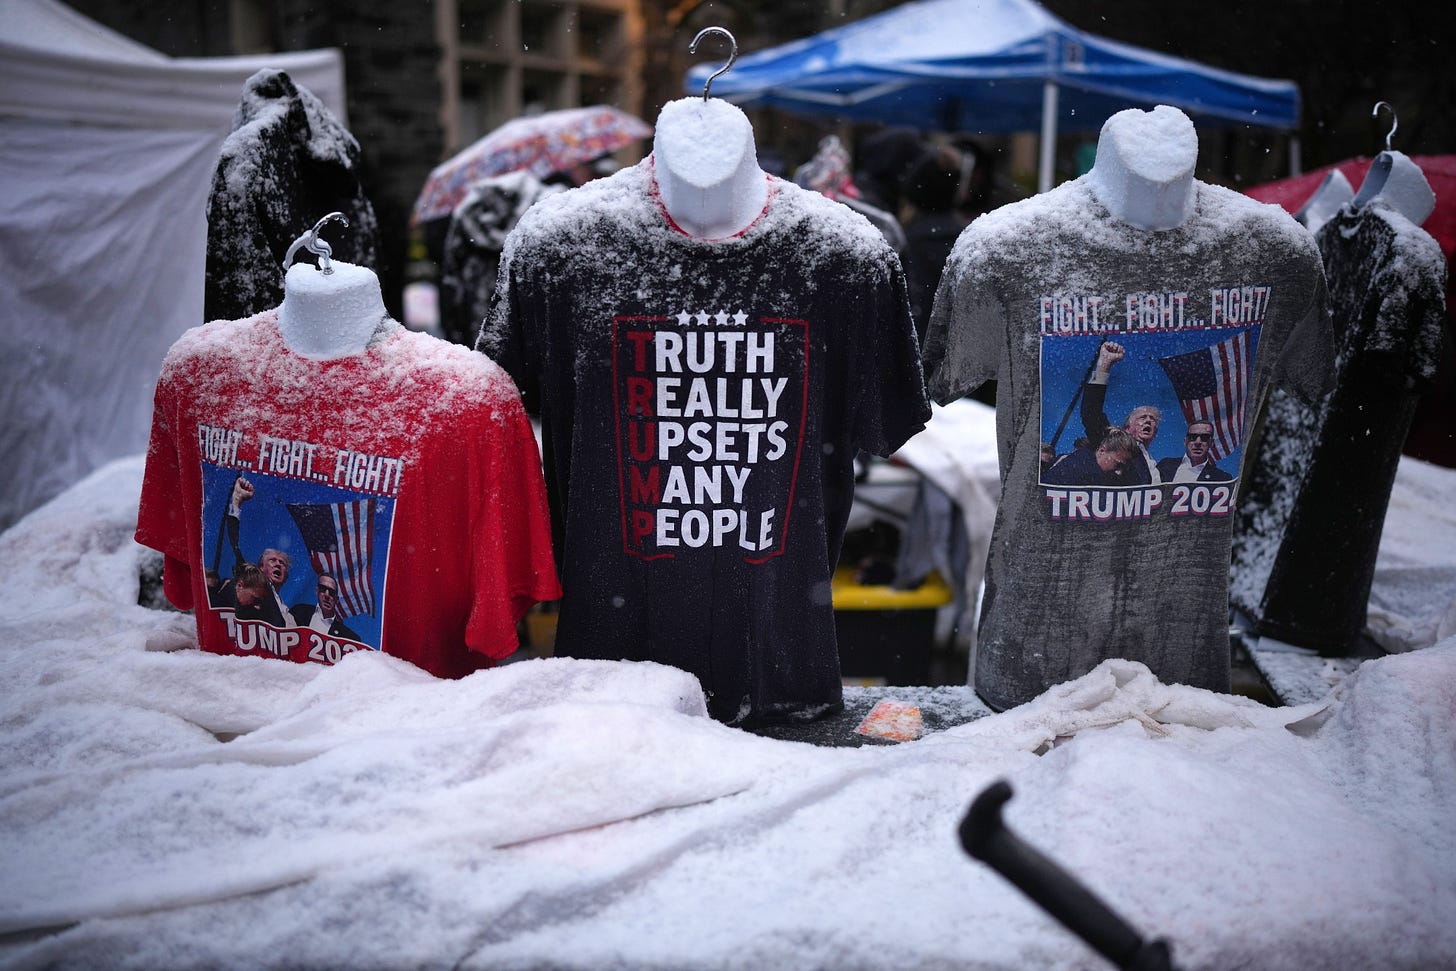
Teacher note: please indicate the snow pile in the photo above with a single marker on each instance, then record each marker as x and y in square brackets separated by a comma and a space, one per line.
[578, 814]
[1413, 596]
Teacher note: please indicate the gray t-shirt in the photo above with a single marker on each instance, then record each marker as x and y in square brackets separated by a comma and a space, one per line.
[1093, 554]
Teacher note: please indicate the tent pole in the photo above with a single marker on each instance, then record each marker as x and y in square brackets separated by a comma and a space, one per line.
[1296, 162]
[1048, 136]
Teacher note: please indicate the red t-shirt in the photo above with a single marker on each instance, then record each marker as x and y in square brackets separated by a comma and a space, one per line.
[391, 500]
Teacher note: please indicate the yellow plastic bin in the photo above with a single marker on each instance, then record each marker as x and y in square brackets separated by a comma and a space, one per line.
[886, 635]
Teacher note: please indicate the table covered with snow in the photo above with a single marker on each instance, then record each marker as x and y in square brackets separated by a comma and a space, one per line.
[165, 808]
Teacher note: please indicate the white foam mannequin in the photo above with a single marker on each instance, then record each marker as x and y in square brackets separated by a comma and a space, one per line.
[1398, 182]
[330, 315]
[1333, 194]
[707, 167]
[1143, 173]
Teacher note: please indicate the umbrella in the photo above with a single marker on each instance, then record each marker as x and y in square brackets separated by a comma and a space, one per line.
[540, 144]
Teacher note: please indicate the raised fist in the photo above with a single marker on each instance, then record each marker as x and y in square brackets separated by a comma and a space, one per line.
[1109, 354]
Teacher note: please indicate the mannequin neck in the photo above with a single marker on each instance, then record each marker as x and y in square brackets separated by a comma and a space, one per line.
[1399, 183]
[1144, 168]
[707, 168]
[330, 315]
[1333, 194]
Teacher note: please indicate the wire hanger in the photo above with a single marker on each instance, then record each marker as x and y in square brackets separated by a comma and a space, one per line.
[318, 247]
[1394, 120]
[732, 55]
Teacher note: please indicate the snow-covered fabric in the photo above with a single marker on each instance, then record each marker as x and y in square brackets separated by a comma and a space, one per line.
[474, 239]
[407, 473]
[288, 163]
[1413, 591]
[1082, 571]
[1309, 520]
[578, 815]
[702, 403]
[107, 150]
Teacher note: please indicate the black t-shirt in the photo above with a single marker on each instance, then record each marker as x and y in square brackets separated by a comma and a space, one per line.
[287, 162]
[1310, 515]
[702, 403]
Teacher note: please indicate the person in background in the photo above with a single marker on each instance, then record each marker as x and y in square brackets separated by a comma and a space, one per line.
[476, 233]
[942, 191]
[828, 174]
[883, 159]
[1048, 456]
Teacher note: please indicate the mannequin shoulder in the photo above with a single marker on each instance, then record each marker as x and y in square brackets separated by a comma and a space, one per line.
[213, 343]
[1417, 248]
[1225, 210]
[441, 371]
[620, 200]
[816, 220]
[1019, 230]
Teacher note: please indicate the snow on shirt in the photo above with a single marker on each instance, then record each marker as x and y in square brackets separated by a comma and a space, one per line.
[1310, 517]
[408, 473]
[1211, 314]
[702, 404]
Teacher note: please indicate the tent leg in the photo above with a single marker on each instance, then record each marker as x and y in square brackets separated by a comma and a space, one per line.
[1048, 136]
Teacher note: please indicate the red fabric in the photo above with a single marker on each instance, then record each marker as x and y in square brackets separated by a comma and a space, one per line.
[468, 546]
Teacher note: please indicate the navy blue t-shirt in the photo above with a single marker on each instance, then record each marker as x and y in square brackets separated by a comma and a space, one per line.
[702, 403]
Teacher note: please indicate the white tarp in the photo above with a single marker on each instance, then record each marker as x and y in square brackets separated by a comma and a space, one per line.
[106, 157]
[166, 808]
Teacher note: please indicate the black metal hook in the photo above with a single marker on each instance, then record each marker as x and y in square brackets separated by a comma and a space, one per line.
[984, 836]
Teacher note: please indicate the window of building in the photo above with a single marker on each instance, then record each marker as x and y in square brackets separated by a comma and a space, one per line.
[504, 58]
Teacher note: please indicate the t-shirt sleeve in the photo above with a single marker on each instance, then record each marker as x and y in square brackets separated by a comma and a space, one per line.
[1307, 364]
[160, 521]
[1411, 317]
[891, 404]
[159, 516]
[177, 582]
[967, 324]
[512, 560]
[505, 337]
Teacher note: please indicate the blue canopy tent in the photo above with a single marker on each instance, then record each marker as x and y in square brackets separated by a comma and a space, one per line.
[989, 66]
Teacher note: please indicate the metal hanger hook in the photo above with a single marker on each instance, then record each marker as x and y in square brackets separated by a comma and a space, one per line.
[732, 55]
[1394, 121]
[311, 242]
[320, 247]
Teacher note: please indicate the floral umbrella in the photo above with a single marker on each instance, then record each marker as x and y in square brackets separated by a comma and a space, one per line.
[540, 144]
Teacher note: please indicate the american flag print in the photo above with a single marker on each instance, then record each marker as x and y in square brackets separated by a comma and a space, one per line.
[340, 541]
[1212, 385]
